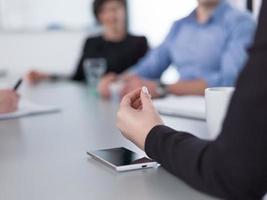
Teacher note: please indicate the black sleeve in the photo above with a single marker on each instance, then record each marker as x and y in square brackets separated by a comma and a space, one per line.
[79, 73]
[235, 165]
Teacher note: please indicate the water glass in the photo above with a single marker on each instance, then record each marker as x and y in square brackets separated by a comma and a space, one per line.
[94, 69]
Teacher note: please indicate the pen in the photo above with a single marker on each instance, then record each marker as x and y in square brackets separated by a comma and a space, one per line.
[16, 87]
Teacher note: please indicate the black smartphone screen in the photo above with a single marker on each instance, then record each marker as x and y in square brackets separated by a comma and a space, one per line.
[121, 157]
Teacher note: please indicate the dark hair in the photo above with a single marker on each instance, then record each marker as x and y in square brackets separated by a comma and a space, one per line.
[97, 5]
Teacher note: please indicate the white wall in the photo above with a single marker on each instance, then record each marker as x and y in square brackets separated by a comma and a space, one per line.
[42, 14]
[26, 44]
[48, 51]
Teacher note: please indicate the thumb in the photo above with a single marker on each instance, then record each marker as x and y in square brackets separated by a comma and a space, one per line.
[146, 98]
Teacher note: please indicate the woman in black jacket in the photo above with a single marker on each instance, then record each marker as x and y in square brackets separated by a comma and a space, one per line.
[120, 49]
[232, 167]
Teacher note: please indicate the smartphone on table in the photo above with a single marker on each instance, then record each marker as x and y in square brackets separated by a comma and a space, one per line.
[122, 159]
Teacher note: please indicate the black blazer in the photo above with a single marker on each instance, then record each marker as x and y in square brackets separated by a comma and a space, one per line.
[119, 55]
[235, 165]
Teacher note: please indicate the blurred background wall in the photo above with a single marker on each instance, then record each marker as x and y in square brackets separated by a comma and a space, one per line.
[48, 34]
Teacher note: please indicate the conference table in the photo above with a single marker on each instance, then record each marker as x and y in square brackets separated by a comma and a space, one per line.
[44, 156]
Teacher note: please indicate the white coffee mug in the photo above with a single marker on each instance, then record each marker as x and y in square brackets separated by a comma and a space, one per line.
[217, 103]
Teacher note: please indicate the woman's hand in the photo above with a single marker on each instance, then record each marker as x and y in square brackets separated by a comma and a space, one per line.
[34, 77]
[105, 82]
[8, 101]
[137, 116]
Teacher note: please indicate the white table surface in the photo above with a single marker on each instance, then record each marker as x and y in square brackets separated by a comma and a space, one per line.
[44, 157]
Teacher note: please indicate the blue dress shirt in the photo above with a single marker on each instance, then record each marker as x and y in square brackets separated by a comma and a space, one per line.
[215, 51]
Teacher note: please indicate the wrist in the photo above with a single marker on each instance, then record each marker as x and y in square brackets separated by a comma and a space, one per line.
[162, 89]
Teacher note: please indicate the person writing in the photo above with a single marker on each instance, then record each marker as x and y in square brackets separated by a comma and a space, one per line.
[234, 165]
[208, 49]
[120, 49]
[8, 101]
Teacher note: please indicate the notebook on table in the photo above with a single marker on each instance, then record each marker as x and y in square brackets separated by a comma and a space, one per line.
[27, 108]
[182, 106]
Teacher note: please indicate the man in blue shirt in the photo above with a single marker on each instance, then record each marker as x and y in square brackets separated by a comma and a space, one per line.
[208, 48]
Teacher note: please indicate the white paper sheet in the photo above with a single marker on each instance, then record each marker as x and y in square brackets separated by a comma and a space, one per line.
[184, 106]
[27, 108]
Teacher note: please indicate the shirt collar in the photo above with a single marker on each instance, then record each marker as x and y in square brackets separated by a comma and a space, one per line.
[220, 10]
[217, 14]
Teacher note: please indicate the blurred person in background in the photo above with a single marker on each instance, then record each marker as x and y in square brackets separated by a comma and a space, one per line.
[208, 49]
[120, 49]
[8, 101]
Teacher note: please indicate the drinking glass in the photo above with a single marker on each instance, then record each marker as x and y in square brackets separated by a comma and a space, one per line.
[94, 69]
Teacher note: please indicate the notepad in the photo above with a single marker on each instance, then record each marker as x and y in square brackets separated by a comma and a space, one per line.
[27, 108]
[184, 106]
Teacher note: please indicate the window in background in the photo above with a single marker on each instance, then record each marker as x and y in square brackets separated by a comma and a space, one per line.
[154, 18]
[149, 17]
[45, 14]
